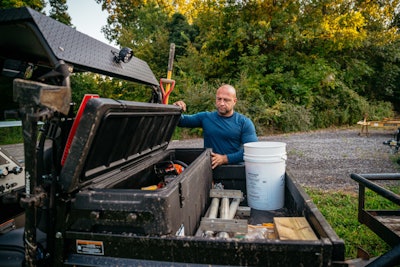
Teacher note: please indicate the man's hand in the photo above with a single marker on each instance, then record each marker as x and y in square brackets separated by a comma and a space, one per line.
[181, 104]
[217, 159]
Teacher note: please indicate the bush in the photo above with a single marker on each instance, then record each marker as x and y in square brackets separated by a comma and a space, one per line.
[291, 118]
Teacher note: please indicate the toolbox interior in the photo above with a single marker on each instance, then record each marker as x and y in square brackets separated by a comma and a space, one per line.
[155, 176]
[124, 206]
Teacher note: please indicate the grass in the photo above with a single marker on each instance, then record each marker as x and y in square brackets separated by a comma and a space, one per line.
[341, 210]
[11, 135]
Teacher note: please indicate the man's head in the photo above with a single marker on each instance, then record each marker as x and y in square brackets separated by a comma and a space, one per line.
[225, 100]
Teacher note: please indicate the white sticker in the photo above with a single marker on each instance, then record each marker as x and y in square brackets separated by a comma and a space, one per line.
[90, 247]
[181, 231]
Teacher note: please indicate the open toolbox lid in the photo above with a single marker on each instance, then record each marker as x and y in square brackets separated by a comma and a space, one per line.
[32, 37]
[112, 134]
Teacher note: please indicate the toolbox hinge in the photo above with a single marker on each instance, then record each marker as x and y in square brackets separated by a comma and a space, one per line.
[181, 197]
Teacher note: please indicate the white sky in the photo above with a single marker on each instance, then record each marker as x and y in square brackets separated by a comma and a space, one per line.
[87, 17]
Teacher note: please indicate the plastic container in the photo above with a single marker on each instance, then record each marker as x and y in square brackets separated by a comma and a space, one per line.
[265, 164]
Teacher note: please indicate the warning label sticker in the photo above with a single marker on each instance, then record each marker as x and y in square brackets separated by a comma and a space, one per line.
[90, 247]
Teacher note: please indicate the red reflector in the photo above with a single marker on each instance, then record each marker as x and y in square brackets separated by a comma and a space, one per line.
[75, 124]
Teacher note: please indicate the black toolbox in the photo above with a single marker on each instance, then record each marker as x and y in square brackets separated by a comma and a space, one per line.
[122, 177]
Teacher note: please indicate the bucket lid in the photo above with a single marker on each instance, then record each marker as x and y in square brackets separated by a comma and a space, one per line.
[262, 144]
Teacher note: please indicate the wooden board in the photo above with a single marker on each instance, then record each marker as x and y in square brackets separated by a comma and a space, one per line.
[223, 225]
[293, 228]
[391, 222]
[221, 193]
[385, 123]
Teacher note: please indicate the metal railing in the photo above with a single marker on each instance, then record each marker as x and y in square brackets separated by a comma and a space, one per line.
[379, 220]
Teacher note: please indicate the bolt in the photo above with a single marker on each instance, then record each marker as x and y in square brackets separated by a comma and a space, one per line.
[58, 235]
[95, 215]
[131, 217]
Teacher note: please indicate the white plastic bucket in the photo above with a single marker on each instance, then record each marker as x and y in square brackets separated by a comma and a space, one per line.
[265, 174]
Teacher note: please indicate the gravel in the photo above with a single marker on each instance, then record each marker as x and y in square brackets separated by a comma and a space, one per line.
[320, 159]
[325, 159]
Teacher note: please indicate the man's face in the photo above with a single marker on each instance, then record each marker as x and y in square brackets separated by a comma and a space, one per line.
[225, 101]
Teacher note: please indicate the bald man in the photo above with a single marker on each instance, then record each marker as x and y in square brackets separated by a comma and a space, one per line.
[224, 130]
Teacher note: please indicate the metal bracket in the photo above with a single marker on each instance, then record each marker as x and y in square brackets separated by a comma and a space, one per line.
[36, 101]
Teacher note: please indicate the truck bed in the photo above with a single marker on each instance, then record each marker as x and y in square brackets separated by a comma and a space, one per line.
[327, 250]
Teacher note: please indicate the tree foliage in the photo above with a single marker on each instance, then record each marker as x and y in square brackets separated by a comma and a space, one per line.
[59, 11]
[34, 4]
[296, 64]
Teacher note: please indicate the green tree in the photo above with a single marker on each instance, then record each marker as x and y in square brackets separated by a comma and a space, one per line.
[290, 60]
[34, 4]
[141, 27]
[148, 29]
[59, 12]
[181, 33]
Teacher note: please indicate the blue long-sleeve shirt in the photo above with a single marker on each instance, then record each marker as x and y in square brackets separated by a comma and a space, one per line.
[225, 135]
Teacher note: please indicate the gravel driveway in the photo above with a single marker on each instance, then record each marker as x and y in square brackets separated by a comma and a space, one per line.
[321, 159]
[325, 159]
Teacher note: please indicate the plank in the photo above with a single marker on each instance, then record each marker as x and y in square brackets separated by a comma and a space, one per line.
[293, 228]
[225, 225]
[221, 193]
[391, 222]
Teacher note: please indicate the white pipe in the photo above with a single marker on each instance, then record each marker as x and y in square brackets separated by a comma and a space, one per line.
[212, 214]
[224, 209]
[224, 213]
[233, 208]
[214, 208]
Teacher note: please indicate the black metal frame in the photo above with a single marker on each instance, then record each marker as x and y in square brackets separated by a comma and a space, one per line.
[370, 217]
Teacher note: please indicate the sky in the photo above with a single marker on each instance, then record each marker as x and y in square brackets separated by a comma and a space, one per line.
[87, 17]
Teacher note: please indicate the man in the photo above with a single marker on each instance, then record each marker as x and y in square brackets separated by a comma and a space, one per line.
[224, 130]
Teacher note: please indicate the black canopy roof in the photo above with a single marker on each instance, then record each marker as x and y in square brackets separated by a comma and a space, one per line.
[28, 35]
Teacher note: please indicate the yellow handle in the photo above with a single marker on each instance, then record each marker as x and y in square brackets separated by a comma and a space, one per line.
[169, 73]
[151, 187]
